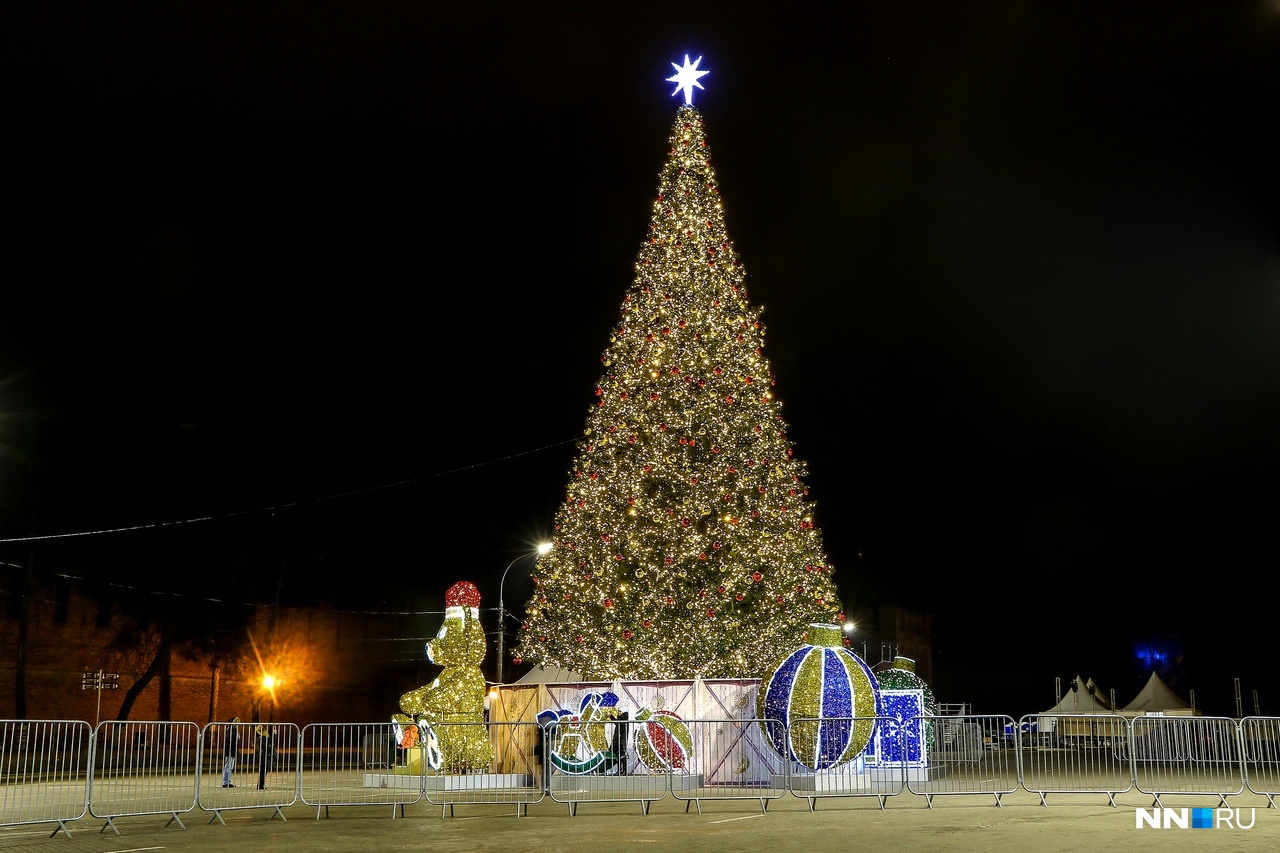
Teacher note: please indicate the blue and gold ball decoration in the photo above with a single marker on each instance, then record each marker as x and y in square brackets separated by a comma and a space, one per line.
[811, 703]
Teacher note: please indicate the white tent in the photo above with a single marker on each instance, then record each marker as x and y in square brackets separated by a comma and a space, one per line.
[1084, 697]
[555, 675]
[1158, 698]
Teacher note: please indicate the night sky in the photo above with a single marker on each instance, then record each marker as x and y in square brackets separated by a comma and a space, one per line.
[339, 275]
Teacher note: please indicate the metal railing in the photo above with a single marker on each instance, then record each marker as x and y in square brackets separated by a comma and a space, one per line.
[44, 772]
[1083, 758]
[142, 768]
[335, 768]
[247, 766]
[58, 771]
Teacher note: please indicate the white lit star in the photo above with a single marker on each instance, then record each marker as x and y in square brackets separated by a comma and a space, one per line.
[686, 78]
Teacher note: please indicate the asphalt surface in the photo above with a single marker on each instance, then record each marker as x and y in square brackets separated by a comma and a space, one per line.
[1075, 823]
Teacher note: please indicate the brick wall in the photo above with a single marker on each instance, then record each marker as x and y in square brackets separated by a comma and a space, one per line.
[334, 666]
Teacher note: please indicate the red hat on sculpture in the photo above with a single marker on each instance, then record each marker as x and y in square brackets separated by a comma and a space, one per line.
[462, 594]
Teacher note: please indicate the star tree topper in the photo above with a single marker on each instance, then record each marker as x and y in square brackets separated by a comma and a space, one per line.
[686, 78]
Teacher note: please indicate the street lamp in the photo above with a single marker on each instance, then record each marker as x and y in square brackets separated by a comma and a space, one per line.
[542, 548]
[851, 628]
[269, 685]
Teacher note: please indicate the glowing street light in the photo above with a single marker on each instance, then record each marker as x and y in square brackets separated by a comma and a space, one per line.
[851, 628]
[269, 685]
[542, 548]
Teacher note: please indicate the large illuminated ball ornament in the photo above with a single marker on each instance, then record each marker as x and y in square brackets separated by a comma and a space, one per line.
[809, 704]
[664, 742]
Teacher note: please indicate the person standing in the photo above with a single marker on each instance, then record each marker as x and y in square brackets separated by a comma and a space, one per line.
[263, 748]
[619, 745]
[230, 749]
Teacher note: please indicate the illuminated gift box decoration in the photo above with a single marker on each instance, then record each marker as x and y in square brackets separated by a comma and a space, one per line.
[902, 676]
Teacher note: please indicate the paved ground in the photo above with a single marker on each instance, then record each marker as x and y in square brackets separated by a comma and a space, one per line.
[1075, 823]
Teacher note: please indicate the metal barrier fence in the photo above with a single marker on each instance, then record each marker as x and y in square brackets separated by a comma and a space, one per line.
[1185, 755]
[731, 760]
[356, 763]
[335, 764]
[43, 772]
[512, 776]
[962, 762]
[1083, 757]
[248, 766]
[646, 759]
[893, 750]
[143, 768]
[1260, 739]
[600, 762]
[59, 771]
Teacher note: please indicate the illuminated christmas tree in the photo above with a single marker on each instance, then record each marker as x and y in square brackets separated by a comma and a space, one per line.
[686, 545]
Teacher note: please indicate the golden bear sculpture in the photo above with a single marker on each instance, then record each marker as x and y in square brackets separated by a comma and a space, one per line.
[449, 712]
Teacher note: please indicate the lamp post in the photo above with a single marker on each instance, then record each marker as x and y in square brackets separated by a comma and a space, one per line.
[542, 548]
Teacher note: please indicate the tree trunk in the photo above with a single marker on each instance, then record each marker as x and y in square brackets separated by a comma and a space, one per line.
[135, 690]
[166, 688]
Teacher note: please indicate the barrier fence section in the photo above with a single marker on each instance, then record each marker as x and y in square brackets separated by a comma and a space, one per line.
[57, 771]
[143, 768]
[1260, 739]
[339, 765]
[731, 759]
[1073, 754]
[962, 761]
[600, 761]
[1185, 755]
[248, 766]
[493, 763]
[892, 749]
[44, 772]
